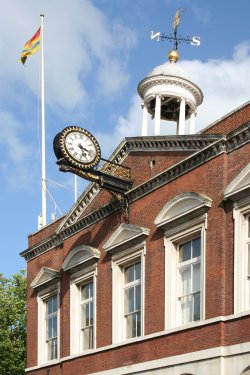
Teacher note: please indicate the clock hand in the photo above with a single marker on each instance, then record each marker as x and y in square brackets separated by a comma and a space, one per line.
[83, 148]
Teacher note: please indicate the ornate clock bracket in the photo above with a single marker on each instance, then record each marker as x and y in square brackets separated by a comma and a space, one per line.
[115, 185]
[78, 152]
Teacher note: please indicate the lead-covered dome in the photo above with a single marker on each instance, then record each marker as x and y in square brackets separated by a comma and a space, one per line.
[169, 69]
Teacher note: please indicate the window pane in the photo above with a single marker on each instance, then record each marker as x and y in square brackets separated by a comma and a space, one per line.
[185, 285]
[129, 325]
[49, 328]
[88, 338]
[197, 306]
[85, 315]
[52, 349]
[54, 328]
[91, 314]
[133, 325]
[186, 308]
[129, 274]
[86, 291]
[90, 290]
[138, 271]
[248, 259]
[49, 306]
[196, 247]
[129, 300]
[138, 297]
[196, 277]
[138, 324]
[185, 252]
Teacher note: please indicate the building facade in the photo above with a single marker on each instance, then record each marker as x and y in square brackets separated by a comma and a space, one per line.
[163, 288]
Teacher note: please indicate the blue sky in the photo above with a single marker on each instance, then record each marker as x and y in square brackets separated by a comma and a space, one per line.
[96, 52]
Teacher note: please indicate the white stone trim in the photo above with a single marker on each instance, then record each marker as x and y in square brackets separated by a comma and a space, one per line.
[240, 183]
[172, 317]
[76, 281]
[42, 297]
[229, 352]
[118, 263]
[241, 281]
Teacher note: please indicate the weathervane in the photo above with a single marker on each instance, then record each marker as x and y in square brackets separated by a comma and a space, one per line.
[194, 40]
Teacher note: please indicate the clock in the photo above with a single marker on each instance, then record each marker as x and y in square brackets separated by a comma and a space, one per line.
[79, 147]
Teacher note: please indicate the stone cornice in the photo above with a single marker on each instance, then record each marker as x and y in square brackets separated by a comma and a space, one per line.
[172, 80]
[221, 145]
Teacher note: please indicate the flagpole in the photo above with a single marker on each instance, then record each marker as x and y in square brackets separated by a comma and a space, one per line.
[43, 166]
[75, 188]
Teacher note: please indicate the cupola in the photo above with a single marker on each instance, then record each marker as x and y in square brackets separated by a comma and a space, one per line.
[168, 94]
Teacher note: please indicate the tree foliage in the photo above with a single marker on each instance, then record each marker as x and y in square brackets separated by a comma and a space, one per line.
[13, 324]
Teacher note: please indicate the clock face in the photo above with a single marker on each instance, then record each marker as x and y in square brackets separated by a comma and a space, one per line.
[79, 147]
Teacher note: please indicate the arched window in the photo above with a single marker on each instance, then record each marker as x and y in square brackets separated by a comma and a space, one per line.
[184, 221]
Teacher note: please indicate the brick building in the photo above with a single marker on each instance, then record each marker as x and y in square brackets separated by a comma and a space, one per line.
[163, 288]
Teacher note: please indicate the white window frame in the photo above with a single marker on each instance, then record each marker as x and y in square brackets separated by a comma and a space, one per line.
[241, 213]
[119, 261]
[188, 264]
[77, 280]
[182, 233]
[81, 265]
[42, 298]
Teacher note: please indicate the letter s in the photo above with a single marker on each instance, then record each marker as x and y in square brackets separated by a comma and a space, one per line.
[196, 41]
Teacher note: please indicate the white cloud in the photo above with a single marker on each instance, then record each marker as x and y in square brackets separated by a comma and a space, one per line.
[16, 165]
[224, 84]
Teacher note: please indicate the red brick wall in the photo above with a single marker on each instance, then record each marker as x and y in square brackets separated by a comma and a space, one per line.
[209, 179]
[231, 122]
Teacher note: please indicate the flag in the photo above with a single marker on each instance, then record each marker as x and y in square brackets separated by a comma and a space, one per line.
[176, 20]
[31, 47]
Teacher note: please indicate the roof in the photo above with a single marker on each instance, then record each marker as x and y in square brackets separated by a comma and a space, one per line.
[169, 69]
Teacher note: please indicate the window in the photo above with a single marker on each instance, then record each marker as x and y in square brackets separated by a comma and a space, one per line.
[184, 221]
[132, 300]
[189, 268]
[81, 264]
[47, 285]
[51, 327]
[238, 191]
[241, 255]
[127, 247]
[248, 245]
[87, 315]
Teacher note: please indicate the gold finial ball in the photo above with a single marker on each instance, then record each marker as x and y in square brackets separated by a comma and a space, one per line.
[173, 56]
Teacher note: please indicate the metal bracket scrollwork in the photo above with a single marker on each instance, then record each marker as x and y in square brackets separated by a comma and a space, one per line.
[108, 178]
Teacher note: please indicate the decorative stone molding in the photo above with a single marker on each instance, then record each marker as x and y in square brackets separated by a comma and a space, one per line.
[45, 277]
[182, 208]
[167, 81]
[79, 257]
[126, 235]
[240, 186]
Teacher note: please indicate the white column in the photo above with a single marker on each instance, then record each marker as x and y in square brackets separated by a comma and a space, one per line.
[157, 115]
[192, 123]
[144, 129]
[182, 117]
